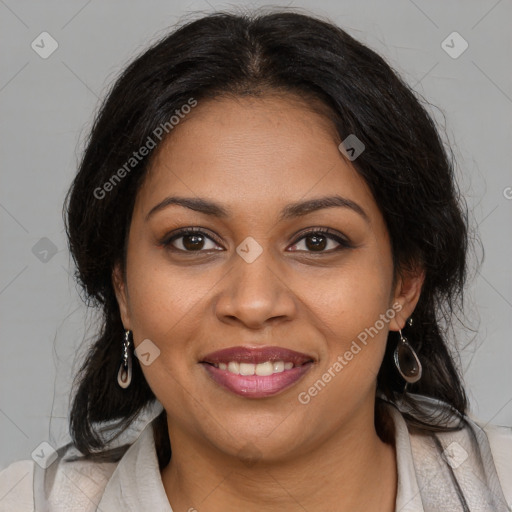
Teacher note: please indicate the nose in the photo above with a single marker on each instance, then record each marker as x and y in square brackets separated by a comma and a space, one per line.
[256, 294]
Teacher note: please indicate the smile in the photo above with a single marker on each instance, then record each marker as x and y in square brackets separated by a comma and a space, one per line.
[256, 372]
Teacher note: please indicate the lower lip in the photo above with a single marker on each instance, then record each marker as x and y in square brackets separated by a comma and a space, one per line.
[257, 386]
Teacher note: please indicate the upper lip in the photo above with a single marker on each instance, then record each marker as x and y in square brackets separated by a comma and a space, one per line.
[256, 355]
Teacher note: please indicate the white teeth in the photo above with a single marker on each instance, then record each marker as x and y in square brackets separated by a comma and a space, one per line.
[247, 368]
[278, 366]
[233, 367]
[261, 369]
[264, 369]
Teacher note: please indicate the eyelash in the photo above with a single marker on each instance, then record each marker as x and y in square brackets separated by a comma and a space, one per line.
[328, 233]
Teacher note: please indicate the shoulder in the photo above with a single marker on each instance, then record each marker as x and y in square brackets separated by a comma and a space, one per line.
[500, 442]
[446, 446]
[16, 490]
[68, 484]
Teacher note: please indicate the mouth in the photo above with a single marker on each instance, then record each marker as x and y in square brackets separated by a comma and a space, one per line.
[257, 372]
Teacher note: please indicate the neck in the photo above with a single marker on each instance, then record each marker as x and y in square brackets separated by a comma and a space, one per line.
[351, 470]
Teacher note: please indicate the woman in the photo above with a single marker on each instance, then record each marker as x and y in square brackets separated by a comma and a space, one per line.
[267, 218]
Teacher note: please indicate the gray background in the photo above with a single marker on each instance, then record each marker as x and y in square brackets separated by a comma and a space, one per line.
[47, 106]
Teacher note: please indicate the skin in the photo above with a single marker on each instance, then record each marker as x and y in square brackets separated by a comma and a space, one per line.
[254, 156]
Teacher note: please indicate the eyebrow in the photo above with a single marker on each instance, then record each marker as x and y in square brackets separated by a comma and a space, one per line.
[290, 211]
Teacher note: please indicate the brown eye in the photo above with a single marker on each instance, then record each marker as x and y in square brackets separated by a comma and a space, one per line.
[321, 241]
[190, 240]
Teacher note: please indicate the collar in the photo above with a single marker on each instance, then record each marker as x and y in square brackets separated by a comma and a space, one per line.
[136, 483]
[408, 497]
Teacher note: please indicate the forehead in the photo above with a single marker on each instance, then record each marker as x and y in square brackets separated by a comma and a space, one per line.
[251, 152]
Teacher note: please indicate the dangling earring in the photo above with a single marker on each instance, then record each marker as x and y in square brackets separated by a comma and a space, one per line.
[406, 361]
[124, 375]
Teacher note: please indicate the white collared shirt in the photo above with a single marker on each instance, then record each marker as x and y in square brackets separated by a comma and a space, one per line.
[134, 484]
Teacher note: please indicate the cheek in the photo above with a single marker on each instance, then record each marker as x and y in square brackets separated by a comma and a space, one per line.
[352, 297]
[355, 337]
[164, 306]
[167, 305]
[161, 295]
[353, 311]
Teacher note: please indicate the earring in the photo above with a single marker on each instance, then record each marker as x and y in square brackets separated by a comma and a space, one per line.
[406, 361]
[124, 375]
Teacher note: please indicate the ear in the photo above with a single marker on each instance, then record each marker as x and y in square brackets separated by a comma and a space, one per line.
[121, 292]
[406, 295]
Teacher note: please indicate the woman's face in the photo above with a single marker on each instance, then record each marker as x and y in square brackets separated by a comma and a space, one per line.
[254, 278]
